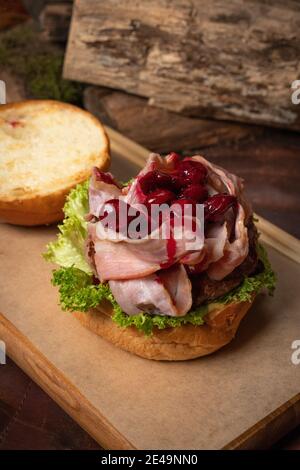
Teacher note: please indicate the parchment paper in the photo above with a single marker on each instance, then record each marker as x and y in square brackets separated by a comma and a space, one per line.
[204, 403]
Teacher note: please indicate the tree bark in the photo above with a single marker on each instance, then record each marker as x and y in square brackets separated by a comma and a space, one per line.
[227, 60]
[158, 129]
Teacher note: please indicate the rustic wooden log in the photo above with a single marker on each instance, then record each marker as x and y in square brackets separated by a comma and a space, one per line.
[55, 20]
[158, 129]
[228, 60]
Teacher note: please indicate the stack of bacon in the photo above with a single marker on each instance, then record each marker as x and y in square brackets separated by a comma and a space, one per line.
[161, 276]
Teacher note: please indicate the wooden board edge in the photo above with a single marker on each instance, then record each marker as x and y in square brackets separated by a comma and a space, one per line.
[270, 429]
[59, 388]
[262, 435]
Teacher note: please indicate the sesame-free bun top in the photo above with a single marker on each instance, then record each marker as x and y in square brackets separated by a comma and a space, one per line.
[46, 148]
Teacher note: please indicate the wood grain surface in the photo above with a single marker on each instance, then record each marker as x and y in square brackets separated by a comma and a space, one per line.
[29, 418]
[263, 434]
[241, 141]
[228, 60]
[40, 369]
[60, 379]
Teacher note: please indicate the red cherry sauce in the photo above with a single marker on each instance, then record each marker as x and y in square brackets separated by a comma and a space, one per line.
[215, 206]
[105, 177]
[171, 251]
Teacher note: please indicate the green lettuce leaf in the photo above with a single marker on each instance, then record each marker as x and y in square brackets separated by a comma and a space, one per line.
[68, 249]
[127, 183]
[78, 292]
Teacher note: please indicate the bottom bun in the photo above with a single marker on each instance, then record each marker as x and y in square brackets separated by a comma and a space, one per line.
[170, 344]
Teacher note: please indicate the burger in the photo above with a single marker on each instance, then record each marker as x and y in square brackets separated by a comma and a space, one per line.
[165, 266]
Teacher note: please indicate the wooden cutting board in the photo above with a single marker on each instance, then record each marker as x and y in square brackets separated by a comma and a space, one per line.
[244, 396]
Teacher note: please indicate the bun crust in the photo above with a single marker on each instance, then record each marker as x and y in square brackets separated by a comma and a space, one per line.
[36, 210]
[170, 344]
[48, 147]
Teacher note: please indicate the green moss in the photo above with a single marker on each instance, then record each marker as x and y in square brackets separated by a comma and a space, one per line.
[39, 64]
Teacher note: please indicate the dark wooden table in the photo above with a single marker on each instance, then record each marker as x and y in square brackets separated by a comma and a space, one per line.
[268, 159]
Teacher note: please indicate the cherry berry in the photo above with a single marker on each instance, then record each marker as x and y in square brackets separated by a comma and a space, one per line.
[159, 196]
[217, 205]
[155, 179]
[191, 172]
[196, 192]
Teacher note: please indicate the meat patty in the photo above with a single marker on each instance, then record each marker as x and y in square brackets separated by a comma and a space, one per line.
[205, 289]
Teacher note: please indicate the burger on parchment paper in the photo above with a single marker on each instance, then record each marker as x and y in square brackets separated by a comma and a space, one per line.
[161, 297]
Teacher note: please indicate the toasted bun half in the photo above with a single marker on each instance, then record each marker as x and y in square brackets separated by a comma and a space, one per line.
[170, 344]
[46, 148]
